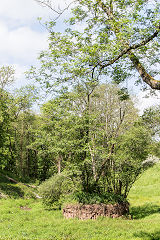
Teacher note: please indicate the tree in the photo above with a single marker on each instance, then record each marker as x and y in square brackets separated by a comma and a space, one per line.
[6, 76]
[23, 122]
[16, 129]
[115, 39]
[103, 40]
[115, 149]
[6, 114]
[60, 135]
[151, 120]
[102, 150]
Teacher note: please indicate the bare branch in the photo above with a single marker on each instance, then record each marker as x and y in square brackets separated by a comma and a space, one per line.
[48, 4]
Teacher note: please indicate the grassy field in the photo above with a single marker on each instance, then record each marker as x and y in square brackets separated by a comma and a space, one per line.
[26, 218]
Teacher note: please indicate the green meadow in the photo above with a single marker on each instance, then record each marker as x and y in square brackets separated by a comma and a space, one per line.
[22, 218]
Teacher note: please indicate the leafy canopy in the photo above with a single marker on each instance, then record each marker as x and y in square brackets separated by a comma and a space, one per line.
[103, 39]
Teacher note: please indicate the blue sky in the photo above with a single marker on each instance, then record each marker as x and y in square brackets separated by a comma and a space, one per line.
[22, 38]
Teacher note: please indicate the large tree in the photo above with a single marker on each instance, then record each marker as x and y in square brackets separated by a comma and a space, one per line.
[103, 40]
[110, 38]
[101, 148]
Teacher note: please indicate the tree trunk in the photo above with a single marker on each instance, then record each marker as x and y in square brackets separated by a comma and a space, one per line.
[93, 163]
[21, 148]
[154, 84]
[59, 164]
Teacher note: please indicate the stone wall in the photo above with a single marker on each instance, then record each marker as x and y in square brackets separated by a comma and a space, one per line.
[95, 210]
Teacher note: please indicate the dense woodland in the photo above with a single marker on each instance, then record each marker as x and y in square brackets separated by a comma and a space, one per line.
[88, 137]
[95, 145]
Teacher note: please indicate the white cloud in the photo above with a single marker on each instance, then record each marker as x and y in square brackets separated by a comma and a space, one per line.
[21, 36]
[21, 44]
[145, 102]
[22, 10]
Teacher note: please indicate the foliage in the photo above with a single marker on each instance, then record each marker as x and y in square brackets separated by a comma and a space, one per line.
[89, 135]
[91, 124]
[55, 189]
[95, 142]
[95, 198]
[6, 76]
[6, 117]
[87, 131]
[151, 119]
[102, 40]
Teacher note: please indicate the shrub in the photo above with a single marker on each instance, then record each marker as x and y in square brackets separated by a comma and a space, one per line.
[95, 198]
[55, 190]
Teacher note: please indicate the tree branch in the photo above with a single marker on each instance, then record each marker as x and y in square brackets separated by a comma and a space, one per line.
[107, 10]
[104, 162]
[48, 4]
[153, 83]
[127, 50]
[93, 162]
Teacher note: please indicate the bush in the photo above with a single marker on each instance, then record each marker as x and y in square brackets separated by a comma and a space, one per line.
[55, 190]
[95, 198]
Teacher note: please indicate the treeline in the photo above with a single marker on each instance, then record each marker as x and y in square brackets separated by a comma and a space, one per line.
[17, 122]
[98, 136]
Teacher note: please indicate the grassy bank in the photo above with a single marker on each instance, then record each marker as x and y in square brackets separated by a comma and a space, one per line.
[27, 219]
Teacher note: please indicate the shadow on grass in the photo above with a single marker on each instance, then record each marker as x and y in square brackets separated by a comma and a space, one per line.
[148, 236]
[11, 190]
[144, 211]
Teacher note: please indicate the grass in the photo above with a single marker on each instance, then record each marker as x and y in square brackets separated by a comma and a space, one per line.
[13, 190]
[27, 219]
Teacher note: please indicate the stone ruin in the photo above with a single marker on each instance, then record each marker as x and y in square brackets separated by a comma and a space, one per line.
[93, 211]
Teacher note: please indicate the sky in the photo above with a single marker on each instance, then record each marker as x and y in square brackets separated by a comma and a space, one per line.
[22, 38]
